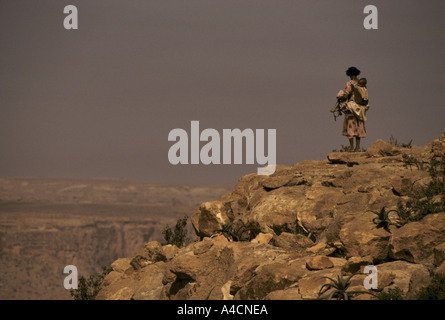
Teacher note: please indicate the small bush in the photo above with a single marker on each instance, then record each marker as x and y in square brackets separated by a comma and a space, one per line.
[382, 220]
[88, 288]
[391, 294]
[435, 291]
[339, 288]
[437, 173]
[177, 236]
[431, 198]
[409, 161]
[394, 142]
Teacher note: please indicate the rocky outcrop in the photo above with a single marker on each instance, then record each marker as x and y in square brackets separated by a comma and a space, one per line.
[303, 224]
[418, 242]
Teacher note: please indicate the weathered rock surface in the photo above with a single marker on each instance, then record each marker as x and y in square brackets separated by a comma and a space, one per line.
[382, 148]
[314, 220]
[417, 241]
[319, 263]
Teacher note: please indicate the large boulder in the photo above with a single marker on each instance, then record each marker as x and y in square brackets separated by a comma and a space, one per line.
[146, 284]
[382, 148]
[151, 252]
[311, 283]
[407, 276]
[319, 263]
[416, 241]
[278, 207]
[268, 278]
[291, 240]
[210, 217]
[361, 237]
[151, 286]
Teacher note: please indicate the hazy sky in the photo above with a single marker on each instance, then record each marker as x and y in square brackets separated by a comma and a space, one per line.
[100, 101]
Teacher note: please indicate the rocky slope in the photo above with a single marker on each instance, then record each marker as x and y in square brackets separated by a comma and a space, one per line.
[48, 223]
[305, 222]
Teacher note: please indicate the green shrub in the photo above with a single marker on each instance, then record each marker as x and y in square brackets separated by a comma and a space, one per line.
[339, 288]
[177, 236]
[382, 220]
[394, 142]
[436, 289]
[409, 161]
[391, 294]
[437, 173]
[429, 199]
[88, 288]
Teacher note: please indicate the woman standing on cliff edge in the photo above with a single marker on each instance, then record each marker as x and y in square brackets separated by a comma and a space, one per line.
[354, 122]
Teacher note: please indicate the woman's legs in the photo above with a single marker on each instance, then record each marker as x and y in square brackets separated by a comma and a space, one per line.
[351, 144]
[357, 144]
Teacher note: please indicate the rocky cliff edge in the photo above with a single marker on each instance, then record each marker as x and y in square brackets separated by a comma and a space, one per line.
[280, 236]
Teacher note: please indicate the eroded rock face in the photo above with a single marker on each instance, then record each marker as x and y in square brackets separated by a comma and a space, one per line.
[416, 241]
[382, 148]
[48, 223]
[151, 252]
[319, 263]
[315, 220]
[361, 238]
[407, 276]
[209, 217]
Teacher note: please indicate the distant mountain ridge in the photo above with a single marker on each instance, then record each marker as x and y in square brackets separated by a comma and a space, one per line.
[101, 190]
[48, 223]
